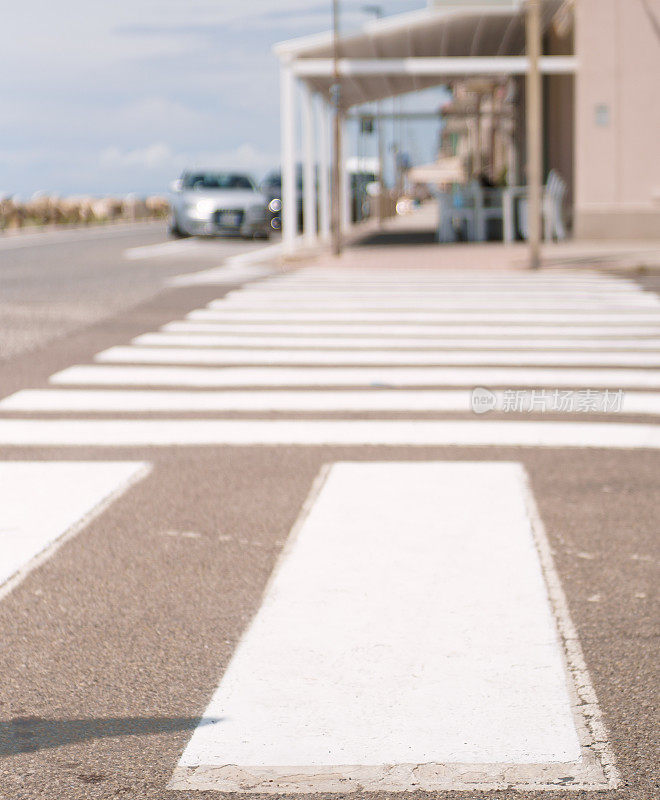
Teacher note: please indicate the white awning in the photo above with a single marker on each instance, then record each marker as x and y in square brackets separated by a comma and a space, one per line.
[418, 50]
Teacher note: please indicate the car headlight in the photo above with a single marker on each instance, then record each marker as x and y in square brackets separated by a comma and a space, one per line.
[201, 208]
[275, 205]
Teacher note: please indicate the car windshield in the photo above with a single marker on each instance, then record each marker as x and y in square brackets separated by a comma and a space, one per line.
[274, 179]
[216, 180]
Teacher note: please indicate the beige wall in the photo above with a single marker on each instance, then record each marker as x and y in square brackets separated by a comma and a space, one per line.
[617, 162]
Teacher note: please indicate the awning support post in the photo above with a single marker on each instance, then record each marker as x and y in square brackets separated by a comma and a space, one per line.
[345, 181]
[309, 171]
[534, 131]
[323, 124]
[288, 125]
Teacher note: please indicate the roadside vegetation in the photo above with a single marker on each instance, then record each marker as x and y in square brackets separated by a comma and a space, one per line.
[48, 210]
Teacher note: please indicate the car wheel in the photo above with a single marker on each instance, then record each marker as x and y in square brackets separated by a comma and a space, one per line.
[177, 233]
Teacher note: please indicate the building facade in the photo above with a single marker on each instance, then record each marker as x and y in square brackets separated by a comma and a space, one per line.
[617, 119]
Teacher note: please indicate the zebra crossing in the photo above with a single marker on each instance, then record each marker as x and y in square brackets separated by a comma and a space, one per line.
[339, 682]
[342, 342]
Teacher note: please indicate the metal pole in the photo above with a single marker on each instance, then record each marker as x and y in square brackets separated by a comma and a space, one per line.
[336, 143]
[534, 132]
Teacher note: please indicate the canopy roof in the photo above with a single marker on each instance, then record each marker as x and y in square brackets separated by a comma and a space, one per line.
[467, 32]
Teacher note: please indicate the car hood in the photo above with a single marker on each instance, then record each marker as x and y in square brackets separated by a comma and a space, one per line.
[225, 198]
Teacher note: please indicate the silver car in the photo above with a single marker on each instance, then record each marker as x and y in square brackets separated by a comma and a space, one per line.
[210, 203]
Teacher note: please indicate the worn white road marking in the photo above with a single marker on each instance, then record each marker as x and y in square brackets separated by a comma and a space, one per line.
[219, 356]
[219, 276]
[147, 375]
[358, 330]
[367, 316]
[44, 503]
[188, 339]
[164, 249]
[399, 400]
[405, 626]
[413, 433]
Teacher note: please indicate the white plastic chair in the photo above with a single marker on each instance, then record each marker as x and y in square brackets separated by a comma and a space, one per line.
[552, 207]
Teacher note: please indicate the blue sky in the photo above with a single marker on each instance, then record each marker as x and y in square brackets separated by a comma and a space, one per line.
[119, 96]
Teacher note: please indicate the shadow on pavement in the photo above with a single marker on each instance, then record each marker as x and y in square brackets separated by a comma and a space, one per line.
[30, 734]
[394, 238]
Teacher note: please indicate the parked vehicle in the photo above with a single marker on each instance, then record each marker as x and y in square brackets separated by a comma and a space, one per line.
[212, 203]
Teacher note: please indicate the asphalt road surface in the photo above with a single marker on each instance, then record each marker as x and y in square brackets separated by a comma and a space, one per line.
[56, 282]
[255, 537]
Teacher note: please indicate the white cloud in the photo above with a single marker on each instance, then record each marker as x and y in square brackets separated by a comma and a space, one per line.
[121, 95]
[154, 156]
[157, 155]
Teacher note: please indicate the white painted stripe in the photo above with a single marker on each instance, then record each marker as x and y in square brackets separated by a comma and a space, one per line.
[408, 272]
[420, 400]
[200, 355]
[370, 649]
[174, 248]
[44, 503]
[219, 276]
[430, 297]
[358, 330]
[434, 306]
[558, 317]
[471, 302]
[109, 375]
[399, 287]
[415, 433]
[412, 277]
[166, 339]
[353, 271]
[236, 268]
[454, 286]
[417, 281]
[258, 291]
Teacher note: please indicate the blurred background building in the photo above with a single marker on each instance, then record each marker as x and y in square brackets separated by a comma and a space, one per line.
[601, 96]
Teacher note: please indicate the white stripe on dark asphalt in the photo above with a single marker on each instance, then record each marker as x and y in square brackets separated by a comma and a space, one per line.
[440, 302]
[165, 339]
[379, 377]
[42, 504]
[412, 433]
[343, 400]
[406, 641]
[358, 331]
[408, 289]
[429, 316]
[222, 357]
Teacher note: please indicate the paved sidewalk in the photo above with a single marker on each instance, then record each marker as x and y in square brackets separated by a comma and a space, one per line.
[408, 241]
